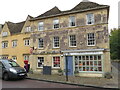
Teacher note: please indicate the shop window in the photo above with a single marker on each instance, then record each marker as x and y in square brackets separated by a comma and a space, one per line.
[40, 61]
[56, 62]
[88, 63]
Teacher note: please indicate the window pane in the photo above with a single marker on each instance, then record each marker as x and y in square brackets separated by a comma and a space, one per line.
[56, 61]
[40, 43]
[91, 39]
[56, 23]
[40, 61]
[72, 21]
[88, 63]
[90, 19]
[40, 26]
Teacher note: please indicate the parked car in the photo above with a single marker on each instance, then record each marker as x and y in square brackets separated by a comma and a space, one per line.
[9, 69]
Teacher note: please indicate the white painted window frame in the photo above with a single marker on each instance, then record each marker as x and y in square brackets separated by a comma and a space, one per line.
[70, 41]
[54, 42]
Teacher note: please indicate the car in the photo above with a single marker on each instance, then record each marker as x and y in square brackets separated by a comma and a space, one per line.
[9, 69]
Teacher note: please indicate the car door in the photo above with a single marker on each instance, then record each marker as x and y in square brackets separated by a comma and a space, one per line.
[0, 69]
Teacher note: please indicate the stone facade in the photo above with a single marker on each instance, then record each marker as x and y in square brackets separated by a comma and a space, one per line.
[101, 47]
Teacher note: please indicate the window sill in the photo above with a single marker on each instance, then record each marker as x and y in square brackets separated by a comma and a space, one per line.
[56, 47]
[72, 46]
[55, 67]
[90, 45]
[39, 67]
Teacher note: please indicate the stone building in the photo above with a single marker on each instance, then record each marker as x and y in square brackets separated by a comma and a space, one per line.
[75, 39]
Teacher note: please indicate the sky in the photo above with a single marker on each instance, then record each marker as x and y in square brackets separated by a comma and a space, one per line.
[18, 10]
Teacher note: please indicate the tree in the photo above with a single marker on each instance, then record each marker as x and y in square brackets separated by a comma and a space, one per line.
[115, 44]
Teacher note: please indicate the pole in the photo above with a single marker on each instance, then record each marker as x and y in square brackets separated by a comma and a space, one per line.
[66, 69]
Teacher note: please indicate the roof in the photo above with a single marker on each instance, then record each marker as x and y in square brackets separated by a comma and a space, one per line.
[86, 5]
[15, 27]
[52, 11]
[82, 6]
[1, 26]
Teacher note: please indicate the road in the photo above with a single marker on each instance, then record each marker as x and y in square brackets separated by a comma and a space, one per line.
[34, 84]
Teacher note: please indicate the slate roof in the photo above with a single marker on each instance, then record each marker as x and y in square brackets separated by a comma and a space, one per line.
[50, 12]
[1, 26]
[86, 5]
[15, 27]
[82, 6]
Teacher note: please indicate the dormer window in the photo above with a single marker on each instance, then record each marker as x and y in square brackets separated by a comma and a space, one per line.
[55, 23]
[28, 29]
[90, 19]
[4, 34]
[72, 21]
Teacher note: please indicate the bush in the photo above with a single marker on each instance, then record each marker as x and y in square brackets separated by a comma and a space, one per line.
[108, 75]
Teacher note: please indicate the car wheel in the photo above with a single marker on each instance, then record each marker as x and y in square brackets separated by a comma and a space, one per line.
[5, 77]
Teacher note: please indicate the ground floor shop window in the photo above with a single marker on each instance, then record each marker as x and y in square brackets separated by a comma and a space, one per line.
[56, 62]
[88, 63]
[40, 61]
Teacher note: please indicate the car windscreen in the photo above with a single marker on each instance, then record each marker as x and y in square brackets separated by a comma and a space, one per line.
[10, 63]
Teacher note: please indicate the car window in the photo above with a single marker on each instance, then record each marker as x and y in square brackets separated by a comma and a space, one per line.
[11, 63]
[0, 64]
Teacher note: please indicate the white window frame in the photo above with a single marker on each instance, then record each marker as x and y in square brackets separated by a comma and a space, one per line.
[71, 41]
[79, 63]
[14, 43]
[40, 43]
[5, 44]
[72, 21]
[54, 42]
[93, 39]
[53, 62]
[40, 62]
[26, 57]
[28, 29]
[56, 22]
[27, 42]
[40, 26]
[4, 34]
[87, 19]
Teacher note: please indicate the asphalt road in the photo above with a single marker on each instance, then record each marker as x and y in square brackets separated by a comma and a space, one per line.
[35, 84]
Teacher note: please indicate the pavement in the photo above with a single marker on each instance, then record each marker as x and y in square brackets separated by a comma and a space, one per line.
[99, 82]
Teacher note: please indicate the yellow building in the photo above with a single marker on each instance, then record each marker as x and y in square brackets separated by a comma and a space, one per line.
[15, 43]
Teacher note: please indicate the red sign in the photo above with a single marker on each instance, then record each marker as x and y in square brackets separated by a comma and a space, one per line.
[31, 50]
